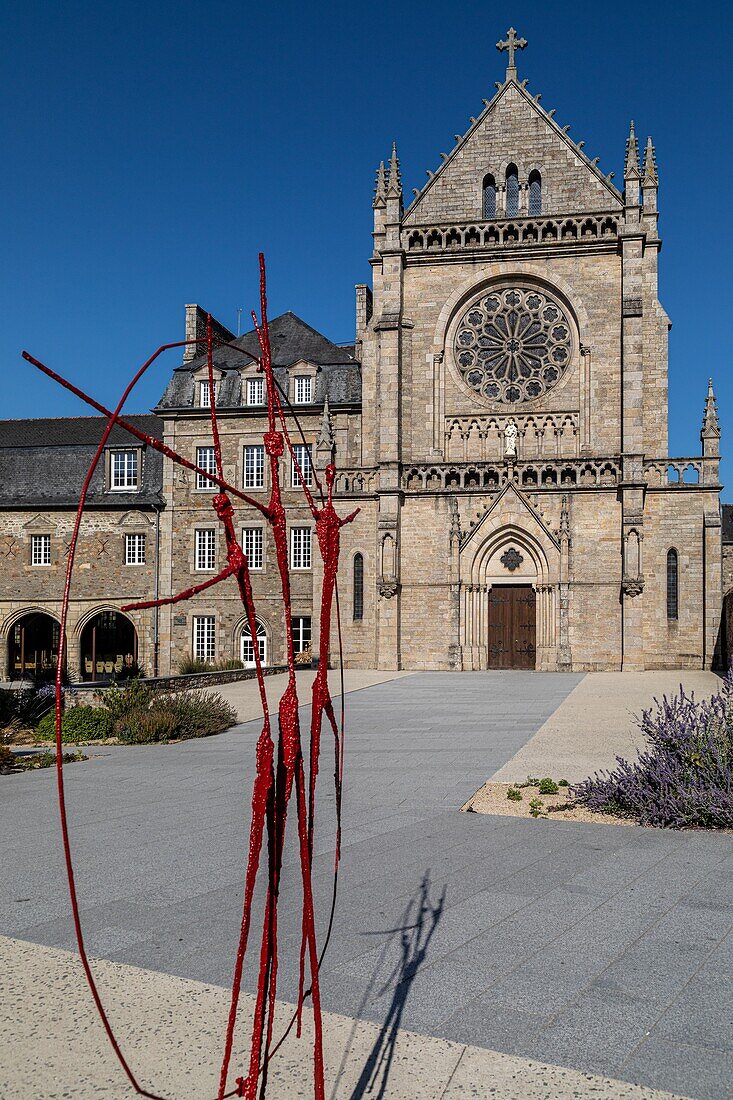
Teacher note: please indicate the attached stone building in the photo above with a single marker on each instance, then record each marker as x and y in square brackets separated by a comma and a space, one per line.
[501, 423]
[43, 464]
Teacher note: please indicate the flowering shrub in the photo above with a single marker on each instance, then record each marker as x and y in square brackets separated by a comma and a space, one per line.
[685, 775]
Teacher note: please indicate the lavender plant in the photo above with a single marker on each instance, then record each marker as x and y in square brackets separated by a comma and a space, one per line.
[684, 777]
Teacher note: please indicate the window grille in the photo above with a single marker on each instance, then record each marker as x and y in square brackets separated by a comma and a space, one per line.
[134, 549]
[255, 391]
[40, 549]
[300, 548]
[358, 587]
[205, 549]
[123, 470]
[254, 466]
[205, 395]
[672, 585]
[512, 191]
[303, 389]
[301, 454]
[204, 637]
[535, 194]
[247, 648]
[206, 460]
[489, 207]
[253, 546]
[301, 633]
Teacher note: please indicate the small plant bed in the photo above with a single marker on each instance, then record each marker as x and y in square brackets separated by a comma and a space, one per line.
[137, 714]
[535, 798]
[11, 762]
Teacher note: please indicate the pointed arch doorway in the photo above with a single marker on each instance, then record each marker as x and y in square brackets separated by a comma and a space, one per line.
[512, 626]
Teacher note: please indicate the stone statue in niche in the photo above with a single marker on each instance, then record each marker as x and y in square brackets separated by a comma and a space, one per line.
[510, 439]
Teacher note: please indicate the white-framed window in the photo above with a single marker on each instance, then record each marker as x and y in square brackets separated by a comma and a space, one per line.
[301, 633]
[253, 546]
[205, 549]
[123, 470]
[204, 637]
[300, 547]
[134, 549]
[40, 549]
[255, 391]
[205, 394]
[254, 466]
[206, 460]
[248, 649]
[301, 454]
[303, 389]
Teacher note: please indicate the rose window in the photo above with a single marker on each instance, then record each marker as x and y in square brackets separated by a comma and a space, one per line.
[513, 345]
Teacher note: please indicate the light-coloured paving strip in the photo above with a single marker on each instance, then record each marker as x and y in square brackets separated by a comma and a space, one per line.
[53, 1045]
[244, 695]
[595, 723]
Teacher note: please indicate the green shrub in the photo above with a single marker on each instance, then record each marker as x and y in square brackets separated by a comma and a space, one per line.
[536, 807]
[514, 795]
[548, 786]
[178, 716]
[189, 666]
[78, 725]
[119, 701]
[563, 783]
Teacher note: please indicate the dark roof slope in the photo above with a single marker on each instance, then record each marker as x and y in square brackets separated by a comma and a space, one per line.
[69, 431]
[43, 463]
[292, 340]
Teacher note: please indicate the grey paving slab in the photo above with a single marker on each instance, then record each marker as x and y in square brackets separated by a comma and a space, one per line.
[535, 938]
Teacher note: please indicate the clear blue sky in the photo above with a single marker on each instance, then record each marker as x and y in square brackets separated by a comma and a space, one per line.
[149, 150]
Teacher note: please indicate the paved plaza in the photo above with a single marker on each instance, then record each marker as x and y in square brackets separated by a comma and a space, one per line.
[603, 950]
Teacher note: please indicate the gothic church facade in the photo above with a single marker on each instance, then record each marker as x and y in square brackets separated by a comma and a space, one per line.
[500, 422]
[514, 421]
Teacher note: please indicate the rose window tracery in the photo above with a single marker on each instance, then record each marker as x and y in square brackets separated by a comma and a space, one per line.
[513, 344]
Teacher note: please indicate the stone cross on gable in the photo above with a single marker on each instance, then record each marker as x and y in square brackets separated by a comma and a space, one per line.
[511, 45]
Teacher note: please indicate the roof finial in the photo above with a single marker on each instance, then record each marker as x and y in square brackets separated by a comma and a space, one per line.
[710, 422]
[380, 190]
[651, 179]
[395, 181]
[326, 438]
[511, 45]
[631, 166]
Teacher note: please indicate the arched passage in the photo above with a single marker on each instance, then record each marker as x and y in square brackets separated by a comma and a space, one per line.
[33, 647]
[108, 647]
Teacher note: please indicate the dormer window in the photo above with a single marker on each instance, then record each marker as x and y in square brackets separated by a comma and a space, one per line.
[512, 191]
[123, 471]
[303, 389]
[535, 194]
[205, 394]
[489, 196]
[255, 391]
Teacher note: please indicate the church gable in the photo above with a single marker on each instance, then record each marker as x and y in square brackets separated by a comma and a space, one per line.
[513, 130]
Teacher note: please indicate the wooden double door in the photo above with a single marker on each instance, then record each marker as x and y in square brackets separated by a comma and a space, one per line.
[512, 626]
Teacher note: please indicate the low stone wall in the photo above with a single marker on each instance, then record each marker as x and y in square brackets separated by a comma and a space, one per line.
[190, 680]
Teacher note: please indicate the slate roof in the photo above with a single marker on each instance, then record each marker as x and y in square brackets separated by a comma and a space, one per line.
[292, 340]
[727, 523]
[43, 462]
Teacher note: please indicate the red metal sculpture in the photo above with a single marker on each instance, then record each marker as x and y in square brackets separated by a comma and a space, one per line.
[279, 762]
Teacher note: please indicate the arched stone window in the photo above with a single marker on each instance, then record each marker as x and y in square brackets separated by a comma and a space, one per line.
[248, 649]
[672, 585]
[512, 191]
[358, 587]
[535, 194]
[489, 191]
